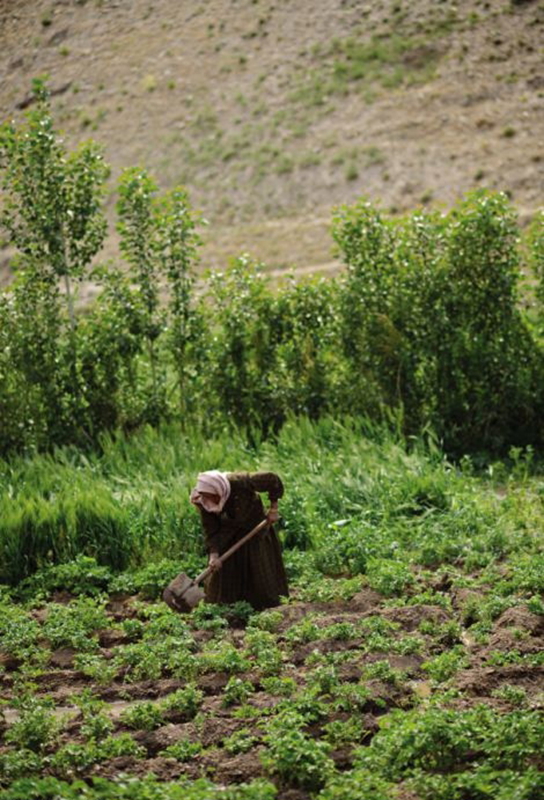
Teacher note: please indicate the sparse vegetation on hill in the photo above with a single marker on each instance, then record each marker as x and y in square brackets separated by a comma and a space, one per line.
[266, 111]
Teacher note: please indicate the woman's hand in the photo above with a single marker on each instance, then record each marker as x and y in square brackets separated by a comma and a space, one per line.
[273, 515]
[214, 562]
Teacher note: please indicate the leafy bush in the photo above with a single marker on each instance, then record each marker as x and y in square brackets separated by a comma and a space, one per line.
[284, 687]
[355, 784]
[295, 758]
[443, 740]
[121, 744]
[151, 581]
[18, 630]
[96, 667]
[444, 666]
[72, 759]
[262, 647]
[389, 577]
[145, 716]
[383, 671]
[223, 657]
[18, 764]
[149, 788]
[268, 620]
[483, 783]
[240, 742]
[75, 624]
[83, 576]
[236, 691]
[185, 702]
[35, 728]
[183, 750]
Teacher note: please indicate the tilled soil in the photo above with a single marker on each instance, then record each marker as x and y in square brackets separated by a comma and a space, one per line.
[404, 684]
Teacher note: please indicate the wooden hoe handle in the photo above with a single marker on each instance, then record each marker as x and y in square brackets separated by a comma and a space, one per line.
[236, 546]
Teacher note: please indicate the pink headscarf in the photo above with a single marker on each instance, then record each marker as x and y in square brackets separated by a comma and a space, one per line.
[212, 482]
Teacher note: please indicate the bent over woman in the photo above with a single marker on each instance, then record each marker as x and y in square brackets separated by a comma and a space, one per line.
[230, 507]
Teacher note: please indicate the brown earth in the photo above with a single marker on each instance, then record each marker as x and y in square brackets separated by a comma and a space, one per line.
[481, 680]
[271, 112]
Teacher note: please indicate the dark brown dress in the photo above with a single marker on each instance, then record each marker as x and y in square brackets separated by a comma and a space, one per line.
[254, 573]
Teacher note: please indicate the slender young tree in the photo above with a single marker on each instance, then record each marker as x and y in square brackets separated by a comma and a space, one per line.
[51, 212]
[137, 226]
[178, 253]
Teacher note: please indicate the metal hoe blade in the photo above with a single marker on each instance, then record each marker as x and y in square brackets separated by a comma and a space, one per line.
[183, 594]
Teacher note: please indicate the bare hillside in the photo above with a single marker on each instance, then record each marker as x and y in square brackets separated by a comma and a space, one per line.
[273, 111]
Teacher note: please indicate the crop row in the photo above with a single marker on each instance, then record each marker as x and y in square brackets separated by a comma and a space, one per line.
[437, 690]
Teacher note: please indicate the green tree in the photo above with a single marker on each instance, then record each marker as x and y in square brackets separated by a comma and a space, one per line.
[490, 368]
[535, 243]
[240, 356]
[177, 247]
[51, 211]
[431, 323]
[137, 227]
[110, 341]
[309, 376]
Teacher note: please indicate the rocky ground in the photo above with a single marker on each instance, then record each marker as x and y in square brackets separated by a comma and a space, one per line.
[271, 112]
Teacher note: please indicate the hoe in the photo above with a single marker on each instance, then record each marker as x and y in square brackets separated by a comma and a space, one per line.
[183, 594]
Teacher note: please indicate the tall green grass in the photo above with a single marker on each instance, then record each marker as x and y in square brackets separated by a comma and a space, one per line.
[356, 495]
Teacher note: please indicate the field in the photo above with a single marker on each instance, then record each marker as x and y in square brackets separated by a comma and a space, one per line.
[394, 147]
[407, 662]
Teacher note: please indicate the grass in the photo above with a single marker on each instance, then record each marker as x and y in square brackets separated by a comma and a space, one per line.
[356, 63]
[363, 513]
[356, 497]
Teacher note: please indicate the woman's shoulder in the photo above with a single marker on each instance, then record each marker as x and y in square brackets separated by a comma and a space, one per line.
[238, 480]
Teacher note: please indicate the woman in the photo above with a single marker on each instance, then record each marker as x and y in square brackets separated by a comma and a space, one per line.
[230, 507]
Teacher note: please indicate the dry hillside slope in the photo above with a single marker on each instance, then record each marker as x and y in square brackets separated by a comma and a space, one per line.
[272, 111]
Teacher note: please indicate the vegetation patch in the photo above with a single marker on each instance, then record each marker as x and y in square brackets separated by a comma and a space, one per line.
[388, 674]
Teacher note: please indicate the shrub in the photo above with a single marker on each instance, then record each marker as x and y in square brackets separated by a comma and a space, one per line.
[75, 624]
[145, 716]
[150, 581]
[223, 658]
[82, 576]
[35, 729]
[389, 577]
[183, 750]
[185, 702]
[295, 758]
[121, 744]
[240, 742]
[355, 784]
[19, 631]
[18, 764]
[444, 666]
[236, 692]
[73, 759]
[443, 740]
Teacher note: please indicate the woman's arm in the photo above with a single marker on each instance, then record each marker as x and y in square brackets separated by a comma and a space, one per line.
[212, 531]
[267, 482]
[271, 483]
